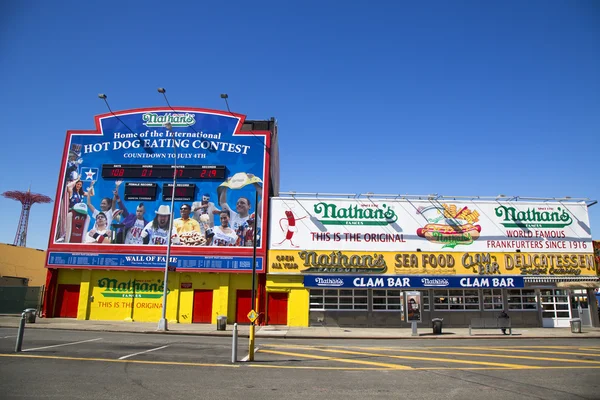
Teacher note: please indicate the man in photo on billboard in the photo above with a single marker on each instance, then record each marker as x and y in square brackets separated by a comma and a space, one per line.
[185, 223]
[133, 224]
[155, 232]
[205, 207]
[239, 218]
[100, 233]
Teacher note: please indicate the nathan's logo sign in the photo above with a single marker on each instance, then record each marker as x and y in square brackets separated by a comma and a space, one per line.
[449, 225]
[131, 288]
[339, 262]
[180, 120]
[332, 214]
[533, 218]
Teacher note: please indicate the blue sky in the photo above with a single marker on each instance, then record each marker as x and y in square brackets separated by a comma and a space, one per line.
[451, 97]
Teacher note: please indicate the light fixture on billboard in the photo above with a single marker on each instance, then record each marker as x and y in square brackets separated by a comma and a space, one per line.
[225, 96]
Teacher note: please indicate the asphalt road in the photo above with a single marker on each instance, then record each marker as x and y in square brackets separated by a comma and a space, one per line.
[105, 365]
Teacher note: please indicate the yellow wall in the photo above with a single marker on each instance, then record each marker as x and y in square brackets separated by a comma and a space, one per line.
[23, 262]
[110, 295]
[298, 298]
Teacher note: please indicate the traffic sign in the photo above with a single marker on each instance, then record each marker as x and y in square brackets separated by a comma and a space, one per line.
[252, 315]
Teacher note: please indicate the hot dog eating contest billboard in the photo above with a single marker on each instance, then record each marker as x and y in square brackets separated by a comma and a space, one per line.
[120, 184]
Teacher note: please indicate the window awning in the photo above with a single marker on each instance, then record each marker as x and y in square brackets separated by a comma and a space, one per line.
[566, 281]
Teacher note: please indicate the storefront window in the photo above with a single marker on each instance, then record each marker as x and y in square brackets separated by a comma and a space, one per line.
[458, 299]
[521, 299]
[338, 299]
[492, 299]
[387, 300]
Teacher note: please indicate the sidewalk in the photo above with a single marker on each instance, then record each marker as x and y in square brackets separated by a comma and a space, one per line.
[285, 332]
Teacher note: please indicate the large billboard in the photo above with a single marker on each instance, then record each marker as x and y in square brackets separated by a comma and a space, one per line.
[116, 192]
[365, 224]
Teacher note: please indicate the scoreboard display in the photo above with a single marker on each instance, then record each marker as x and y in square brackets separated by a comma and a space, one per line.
[138, 171]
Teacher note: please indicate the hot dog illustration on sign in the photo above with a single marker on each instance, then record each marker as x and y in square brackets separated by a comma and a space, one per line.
[288, 226]
[447, 226]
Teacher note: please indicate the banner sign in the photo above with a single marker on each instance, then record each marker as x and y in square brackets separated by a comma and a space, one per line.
[412, 282]
[422, 263]
[429, 225]
[116, 183]
[152, 261]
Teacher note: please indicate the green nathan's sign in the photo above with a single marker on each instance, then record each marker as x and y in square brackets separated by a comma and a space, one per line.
[532, 218]
[333, 214]
[131, 289]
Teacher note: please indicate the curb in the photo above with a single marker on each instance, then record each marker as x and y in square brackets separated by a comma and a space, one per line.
[449, 336]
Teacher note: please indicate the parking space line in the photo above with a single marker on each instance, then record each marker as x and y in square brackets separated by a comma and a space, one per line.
[142, 352]
[387, 366]
[64, 344]
[446, 360]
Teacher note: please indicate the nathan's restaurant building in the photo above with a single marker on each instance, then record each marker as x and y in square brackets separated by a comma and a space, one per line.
[369, 261]
[118, 189]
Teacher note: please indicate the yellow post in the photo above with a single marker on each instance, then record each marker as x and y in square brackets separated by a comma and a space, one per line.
[251, 349]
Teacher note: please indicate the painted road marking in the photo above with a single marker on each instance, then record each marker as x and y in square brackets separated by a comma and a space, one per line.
[512, 356]
[7, 337]
[142, 352]
[190, 364]
[64, 344]
[445, 360]
[316, 357]
[121, 361]
[511, 349]
[248, 356]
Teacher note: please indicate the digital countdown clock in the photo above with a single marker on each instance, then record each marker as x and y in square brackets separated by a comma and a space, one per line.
[183, 191]
[141, 171]
[140, 191]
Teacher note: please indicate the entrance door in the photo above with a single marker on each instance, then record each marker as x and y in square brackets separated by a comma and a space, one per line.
[580, 306]
[243, 305]
[202, 307]
[67, 300]
[555, 305]
[277, 304]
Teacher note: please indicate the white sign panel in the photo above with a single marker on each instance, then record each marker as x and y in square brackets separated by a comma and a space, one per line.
[408, 225]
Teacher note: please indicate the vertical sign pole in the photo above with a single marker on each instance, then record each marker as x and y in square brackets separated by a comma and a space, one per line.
[252, 326]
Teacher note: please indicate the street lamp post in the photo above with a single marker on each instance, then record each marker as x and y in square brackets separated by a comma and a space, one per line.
[162, 323]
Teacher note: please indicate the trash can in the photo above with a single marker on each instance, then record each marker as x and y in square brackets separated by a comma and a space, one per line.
[576, 325]
[30, 315]
[436, 323]
[222, 323]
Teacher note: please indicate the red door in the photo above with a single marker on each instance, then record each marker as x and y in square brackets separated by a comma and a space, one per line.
[202, 308]
[67, 299]
[277, 305]
[243, 305]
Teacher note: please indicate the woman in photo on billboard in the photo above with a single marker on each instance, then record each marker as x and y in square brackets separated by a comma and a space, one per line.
[223, 235]
[107, 205]
[155, 232]
[75, 192]
[100, 233]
